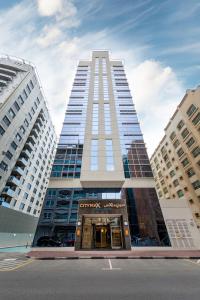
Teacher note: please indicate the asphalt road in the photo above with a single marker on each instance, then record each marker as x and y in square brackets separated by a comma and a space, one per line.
[103, 279]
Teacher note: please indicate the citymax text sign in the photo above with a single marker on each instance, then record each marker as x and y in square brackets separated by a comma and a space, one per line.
[102, 205]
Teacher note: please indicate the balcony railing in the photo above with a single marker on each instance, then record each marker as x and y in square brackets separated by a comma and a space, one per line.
[8, 192]
[18, 170]
[13, 180]
[22, 162]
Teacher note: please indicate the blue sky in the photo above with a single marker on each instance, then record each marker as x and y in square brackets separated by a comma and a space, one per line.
[159, 42]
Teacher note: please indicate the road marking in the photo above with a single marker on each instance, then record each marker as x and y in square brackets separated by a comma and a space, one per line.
[193, 262]
[6, 266]
[10, 259]
[110, 267]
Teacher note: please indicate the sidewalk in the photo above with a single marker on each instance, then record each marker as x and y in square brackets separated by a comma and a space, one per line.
[134, 253]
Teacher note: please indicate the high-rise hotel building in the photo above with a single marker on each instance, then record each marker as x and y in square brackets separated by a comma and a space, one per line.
[101, 192]
[27, 149]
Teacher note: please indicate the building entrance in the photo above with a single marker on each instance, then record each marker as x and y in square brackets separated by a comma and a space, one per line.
[102, 233]
[102, 237]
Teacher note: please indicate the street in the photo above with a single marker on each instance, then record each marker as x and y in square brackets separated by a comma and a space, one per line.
[101, 279]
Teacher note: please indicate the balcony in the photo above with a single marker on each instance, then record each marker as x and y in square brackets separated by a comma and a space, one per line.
[42, 116]
[13, 180]
[22, 162]
[32, 139]
[29, 146]
[26, 154]
[35, 133]
[8, 192]
[39, 121]
[36, 126]
[18, 171]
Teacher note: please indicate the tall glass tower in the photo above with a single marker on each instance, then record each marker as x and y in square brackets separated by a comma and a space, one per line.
[101, 192]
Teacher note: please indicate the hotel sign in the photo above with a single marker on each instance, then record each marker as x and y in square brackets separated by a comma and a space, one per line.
[102, 204]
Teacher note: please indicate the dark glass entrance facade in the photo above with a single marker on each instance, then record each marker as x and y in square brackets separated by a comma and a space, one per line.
[102, 232]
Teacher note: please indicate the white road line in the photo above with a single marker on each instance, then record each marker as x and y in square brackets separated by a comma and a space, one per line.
[110, 264]
[9, 259]
[110, 267]
[193, 262]
[198, 261]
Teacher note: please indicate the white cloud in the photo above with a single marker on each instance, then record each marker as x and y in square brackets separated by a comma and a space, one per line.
[49, 7]
[156, 92]
[49, 36]
[155, 88]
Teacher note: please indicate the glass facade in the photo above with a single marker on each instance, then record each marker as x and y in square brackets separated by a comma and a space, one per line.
[101, 139]
[68, 159]
[134, 155]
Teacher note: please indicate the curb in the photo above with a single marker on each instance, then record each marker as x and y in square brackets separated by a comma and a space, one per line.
[112, 257]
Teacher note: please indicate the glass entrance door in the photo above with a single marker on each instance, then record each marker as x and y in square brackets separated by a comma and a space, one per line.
[102, 236]
[116, 238]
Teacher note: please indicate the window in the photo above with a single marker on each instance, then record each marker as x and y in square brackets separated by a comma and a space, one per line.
[172, 173]
[94, 155]
[180, 125]
[175, 182]
[169, 164]
[18, 137]
[109, 156]
[176, 144]
[190, 142]
[21, 207]
[180, 152]
[185, 162]
[172, 135]
[107, 122]
[26, 122]
[11, 113]
[95, 118]
[190, 172]
[22, 129]
[28, 186]
[16, 105]
[28, 88]
[180, 193]
[25, 195]
[25, 94]
[196, 184]
[9, 155]
[2, 131]
[3, 166]
[31, 84]
[29, 209]
[6, 120]
[165, 190]
[47, 215]
[196, 120]
[191, 110]
[196, 151]
[185, 133]
[21, 101]
[14, 145]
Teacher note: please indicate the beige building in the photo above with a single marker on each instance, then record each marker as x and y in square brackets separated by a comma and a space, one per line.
[176, 160]
[27, 148]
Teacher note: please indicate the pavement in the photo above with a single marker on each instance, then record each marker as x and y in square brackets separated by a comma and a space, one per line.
[134, 253]
[107, 279]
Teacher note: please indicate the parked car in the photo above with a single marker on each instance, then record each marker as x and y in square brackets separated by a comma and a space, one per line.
[47, 241]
